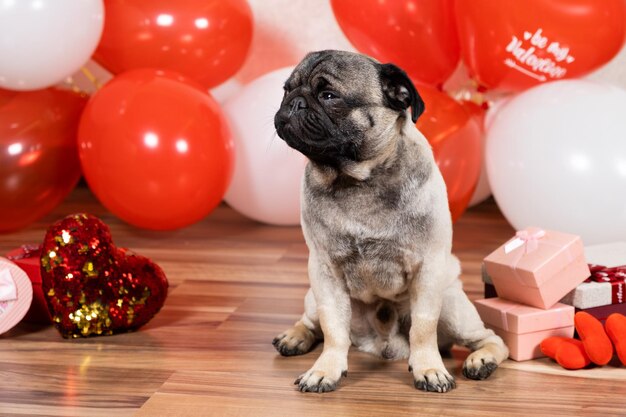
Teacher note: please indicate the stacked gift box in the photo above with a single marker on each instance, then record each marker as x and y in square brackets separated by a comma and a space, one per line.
[603, 292]
[27, 258]
[21, 293]
[16, 293]
[529, 275]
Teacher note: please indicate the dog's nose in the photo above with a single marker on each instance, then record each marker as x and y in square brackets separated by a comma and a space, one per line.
[297, 104]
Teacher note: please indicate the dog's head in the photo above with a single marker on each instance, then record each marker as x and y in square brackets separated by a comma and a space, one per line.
[341, 107]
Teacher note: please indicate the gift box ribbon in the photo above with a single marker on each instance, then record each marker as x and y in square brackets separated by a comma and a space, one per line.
[27, 252]
[616, 276]
[504, 316]
[530, 239]
[8, 290]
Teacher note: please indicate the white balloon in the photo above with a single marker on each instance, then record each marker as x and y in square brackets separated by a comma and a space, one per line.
[614, 72]
[44, 41]
[556, 158]
[482, 191]
[225, 91]
[285, 31]
[268, 173]
[494, 108]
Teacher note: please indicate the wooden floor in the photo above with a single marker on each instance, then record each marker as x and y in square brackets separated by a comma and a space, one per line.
[235, 284]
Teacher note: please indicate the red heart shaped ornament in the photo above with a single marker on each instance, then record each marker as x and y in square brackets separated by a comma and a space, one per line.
[93, 287]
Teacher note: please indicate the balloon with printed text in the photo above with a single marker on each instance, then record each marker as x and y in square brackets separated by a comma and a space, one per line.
[513, 45]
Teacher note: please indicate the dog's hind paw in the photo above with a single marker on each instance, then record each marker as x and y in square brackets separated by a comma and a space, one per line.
[296, 341]
[478, 368]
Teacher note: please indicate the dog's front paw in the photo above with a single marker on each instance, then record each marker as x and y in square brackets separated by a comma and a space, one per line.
[432, 380]
[479, 365]
[296, 341]
[315, 380]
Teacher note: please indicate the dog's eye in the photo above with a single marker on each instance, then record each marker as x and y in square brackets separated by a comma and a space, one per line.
[328, 95]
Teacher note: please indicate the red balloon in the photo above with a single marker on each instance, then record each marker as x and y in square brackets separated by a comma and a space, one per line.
[155, 149]
[455, 136]
[478, 112]
[418, 35]
[38, 156]
[206, 40]
[512, 45]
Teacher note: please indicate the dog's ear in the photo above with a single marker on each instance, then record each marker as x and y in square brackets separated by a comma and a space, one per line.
[400, 91]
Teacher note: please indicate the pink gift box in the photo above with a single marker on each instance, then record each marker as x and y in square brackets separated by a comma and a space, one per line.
[538, 267]
[27, 258]
[522, 327]
[16, 294]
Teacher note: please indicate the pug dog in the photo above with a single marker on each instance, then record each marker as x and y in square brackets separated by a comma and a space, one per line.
[376, 221]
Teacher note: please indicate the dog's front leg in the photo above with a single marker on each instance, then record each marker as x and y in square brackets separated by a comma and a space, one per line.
[426, 295]
[334, 311]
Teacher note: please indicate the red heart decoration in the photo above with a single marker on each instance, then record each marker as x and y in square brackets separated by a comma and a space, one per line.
[93, 287]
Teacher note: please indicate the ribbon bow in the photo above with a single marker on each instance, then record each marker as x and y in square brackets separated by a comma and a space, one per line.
[528, 237]
[8, 291]
[27, 252]
[600, 273]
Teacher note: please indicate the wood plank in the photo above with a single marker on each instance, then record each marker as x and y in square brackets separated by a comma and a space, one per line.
[378, 392]
[235, 284]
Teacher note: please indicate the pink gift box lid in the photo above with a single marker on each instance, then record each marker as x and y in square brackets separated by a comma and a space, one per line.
[553, 251]
[518, 318]
[16, 294]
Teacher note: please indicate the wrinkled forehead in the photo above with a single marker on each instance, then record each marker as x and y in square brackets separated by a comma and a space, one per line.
[339, 70]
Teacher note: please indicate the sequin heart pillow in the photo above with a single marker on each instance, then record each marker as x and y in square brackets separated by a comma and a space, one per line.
[91, 286]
